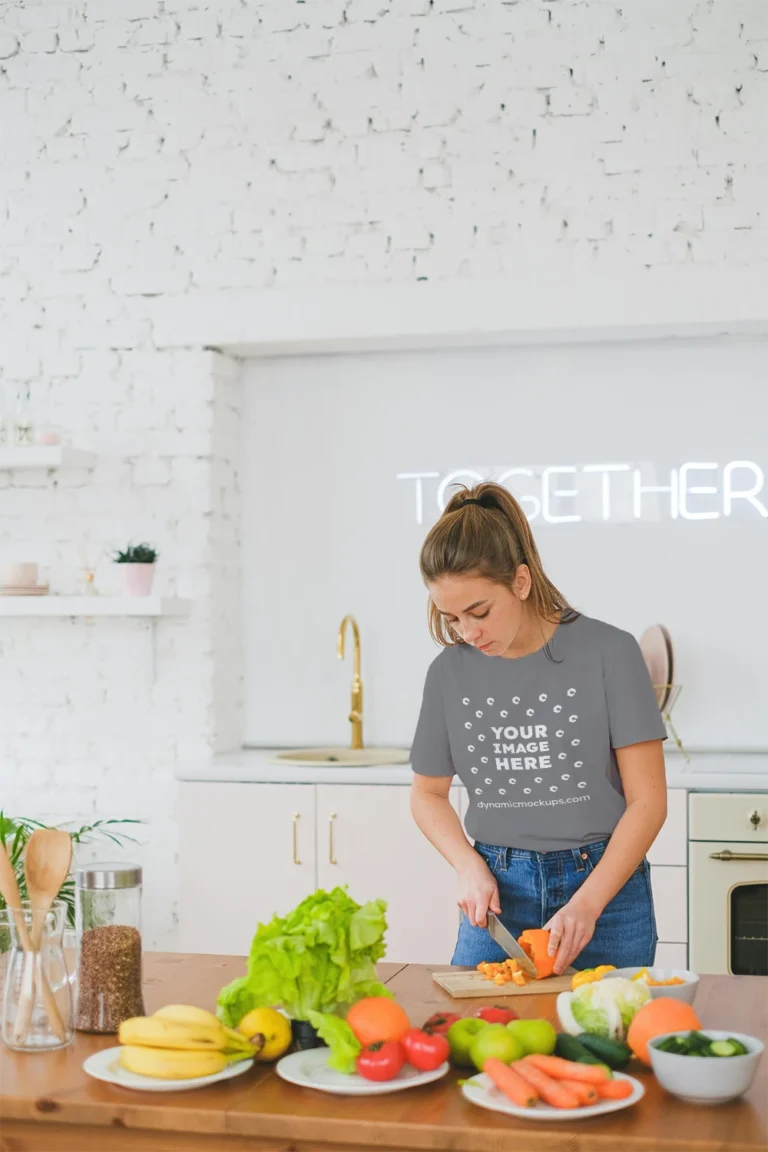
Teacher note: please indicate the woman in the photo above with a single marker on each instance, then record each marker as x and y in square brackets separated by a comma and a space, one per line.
[550, 720]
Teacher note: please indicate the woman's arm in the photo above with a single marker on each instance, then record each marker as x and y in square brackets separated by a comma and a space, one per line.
[439, 821]
[641, 767]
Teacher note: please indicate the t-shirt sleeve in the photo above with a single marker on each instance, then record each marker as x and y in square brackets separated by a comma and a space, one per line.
[431, 750]
[633, 711]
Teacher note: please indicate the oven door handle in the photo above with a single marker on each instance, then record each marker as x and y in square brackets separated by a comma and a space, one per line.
[726, 855]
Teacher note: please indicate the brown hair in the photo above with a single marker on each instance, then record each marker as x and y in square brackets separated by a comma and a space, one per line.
[490, 538]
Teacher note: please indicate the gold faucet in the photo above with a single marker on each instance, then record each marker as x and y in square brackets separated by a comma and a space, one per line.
[356, 707]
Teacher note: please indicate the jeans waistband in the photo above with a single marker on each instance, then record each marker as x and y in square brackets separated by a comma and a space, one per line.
[578, 856]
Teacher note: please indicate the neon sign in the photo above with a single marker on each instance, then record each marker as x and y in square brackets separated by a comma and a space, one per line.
[613, 492]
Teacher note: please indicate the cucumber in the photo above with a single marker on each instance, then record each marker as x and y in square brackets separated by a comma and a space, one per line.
[569, 1048]
[610, 1052]
[724, 1048]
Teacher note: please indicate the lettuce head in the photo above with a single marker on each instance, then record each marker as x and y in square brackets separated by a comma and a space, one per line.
[604, 1008]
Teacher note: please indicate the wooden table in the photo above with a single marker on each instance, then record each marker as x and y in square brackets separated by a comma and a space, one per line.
[47, 1102]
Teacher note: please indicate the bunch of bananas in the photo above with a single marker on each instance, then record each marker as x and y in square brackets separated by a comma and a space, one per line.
[181, 1042]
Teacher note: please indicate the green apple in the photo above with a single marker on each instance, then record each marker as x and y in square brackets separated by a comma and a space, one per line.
[496, 1040]
[535, 1035]
[460, 1036]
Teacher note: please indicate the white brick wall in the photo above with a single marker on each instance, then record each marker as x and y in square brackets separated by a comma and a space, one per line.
[159, 147]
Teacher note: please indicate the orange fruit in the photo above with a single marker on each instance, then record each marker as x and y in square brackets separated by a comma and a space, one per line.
[377, 1018]
[657, 1017]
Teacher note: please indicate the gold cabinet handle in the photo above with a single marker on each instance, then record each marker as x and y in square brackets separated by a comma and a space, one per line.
[296, 817]
[726, 854]
[331, 857]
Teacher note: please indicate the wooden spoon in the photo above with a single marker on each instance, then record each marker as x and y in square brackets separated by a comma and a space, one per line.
[46, 864]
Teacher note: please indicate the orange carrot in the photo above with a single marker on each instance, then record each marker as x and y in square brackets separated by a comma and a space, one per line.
[584, 1093]
[614, 1090]
[514, 1087]
[551, 1091]
[560, 1069]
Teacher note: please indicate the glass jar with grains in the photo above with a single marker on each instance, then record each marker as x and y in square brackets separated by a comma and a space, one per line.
[108, 918]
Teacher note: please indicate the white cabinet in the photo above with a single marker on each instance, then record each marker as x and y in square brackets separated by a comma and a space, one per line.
[367, 839]
[671, 844]
[671, 956]
[670, 900]
[247, 851]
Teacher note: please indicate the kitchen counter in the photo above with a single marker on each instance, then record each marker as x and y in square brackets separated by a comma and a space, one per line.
[706, 772]
[48, 1104]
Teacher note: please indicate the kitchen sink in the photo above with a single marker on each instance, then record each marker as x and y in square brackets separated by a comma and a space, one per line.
[342, 757]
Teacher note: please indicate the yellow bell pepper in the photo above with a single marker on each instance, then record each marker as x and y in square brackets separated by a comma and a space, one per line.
[591, 975]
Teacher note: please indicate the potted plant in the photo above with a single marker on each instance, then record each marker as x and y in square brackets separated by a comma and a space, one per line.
[138, 571]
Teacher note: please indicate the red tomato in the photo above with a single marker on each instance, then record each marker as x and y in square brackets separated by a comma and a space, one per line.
[382, 1060]
[440, 1022]
[496, 1015]
[425, 1050]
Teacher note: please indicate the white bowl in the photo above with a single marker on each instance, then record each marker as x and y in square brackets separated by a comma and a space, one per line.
[685, 992]
[706, 1079]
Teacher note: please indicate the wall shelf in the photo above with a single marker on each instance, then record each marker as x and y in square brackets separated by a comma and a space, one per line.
[45, 456]
[141, 606]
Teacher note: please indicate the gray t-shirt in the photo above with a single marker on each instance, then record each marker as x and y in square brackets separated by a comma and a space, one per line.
[533, 739]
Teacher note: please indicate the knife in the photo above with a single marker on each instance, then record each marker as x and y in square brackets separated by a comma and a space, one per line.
[507, 941]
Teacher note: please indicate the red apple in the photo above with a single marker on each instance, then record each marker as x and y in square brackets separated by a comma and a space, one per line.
[496, 1015]
[439, 1022]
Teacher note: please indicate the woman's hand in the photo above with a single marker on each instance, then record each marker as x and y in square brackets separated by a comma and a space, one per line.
[570, 930]
[478, 892]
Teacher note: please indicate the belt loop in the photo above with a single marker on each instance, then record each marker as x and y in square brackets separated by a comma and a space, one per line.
[578, 859]
[505, 858]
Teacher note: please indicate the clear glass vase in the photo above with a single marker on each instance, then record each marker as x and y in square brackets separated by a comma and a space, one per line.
[37, 993]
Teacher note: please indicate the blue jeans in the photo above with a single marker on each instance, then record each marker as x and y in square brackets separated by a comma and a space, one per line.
[533, 885]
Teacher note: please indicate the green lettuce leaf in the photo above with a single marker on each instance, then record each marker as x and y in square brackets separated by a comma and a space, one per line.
[337, 1034]
[319, 958]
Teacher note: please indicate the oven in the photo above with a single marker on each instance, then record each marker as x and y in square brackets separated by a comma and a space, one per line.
[728, 883]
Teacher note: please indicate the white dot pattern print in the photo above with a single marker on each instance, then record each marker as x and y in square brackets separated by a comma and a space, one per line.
[553, 788]
[475, 770]
[478, 791]
[490, 701]
[571, 692]
[467, 723]
[503, 715]
[515, 699]
[488, 780]
[543, 697]
[529, 712]
[578, 764]
[470, 747]
[527, 791]
[537, 780]
[478, 713]
[483, 759]
[582, 784]
[559, 732]
[465, 700]
[572, 719]
[561, 756]
[565, 776]
[502, 791]
[575, 743]
[557, 708]
[481, 737]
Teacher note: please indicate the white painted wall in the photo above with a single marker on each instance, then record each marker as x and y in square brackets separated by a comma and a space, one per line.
[328, 529]
[156, 152]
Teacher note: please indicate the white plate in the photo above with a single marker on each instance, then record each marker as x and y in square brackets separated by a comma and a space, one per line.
[310, 1070]
[105, 1066]
[481, 1091]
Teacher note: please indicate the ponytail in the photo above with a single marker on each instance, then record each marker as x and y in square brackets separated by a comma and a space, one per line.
[484, 532]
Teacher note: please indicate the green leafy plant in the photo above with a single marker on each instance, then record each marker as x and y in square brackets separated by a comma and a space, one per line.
[16, 831]
[136, 554]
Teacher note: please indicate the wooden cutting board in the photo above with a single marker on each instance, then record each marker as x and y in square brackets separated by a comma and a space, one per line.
[468, 985]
